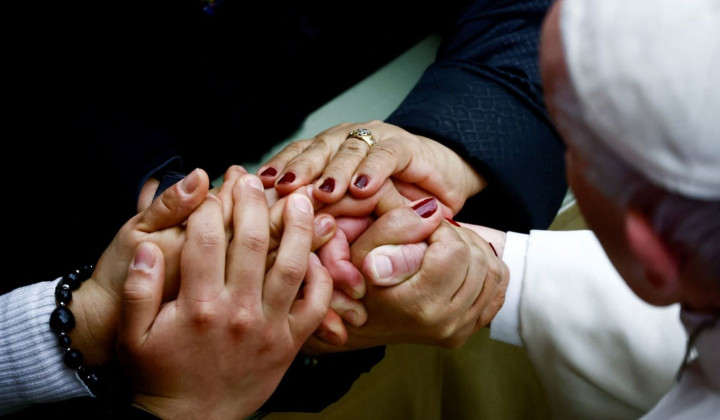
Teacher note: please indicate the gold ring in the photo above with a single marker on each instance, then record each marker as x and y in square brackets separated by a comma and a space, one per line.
[364, 135]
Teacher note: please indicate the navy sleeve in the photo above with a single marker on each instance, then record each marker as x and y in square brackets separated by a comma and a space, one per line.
[482, 97]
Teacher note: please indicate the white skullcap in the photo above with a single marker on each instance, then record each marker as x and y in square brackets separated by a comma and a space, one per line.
[647, 76]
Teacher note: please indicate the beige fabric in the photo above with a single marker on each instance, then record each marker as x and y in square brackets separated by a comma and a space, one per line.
[484, 379]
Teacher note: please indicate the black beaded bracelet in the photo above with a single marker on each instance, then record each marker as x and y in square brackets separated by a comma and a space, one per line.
[62, 321]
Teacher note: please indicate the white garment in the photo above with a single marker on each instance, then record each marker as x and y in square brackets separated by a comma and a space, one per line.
[697, 396]
[31, 366]
[600, 352]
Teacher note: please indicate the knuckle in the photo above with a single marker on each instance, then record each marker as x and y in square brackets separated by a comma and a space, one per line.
[355, 148]
[385, 150]
[303, 227]
[203, 315]
[135, 292]
[296, 147]
[322, 144]
[243, 320]
[454, 250]
[290, 270]
[210, 240]
[443, 331]
[254, 240]
[301, 162]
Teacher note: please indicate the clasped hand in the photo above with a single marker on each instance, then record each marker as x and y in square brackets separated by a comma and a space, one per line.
[222, 345]
[401, 273]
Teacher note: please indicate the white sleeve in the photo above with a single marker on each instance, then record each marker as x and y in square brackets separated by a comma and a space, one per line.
[599, 350]
[31, 366]
[506, 324]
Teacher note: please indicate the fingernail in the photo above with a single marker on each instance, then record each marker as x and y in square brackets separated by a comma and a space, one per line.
[287, 178]
[301, 203]
[254, 182]
[328, 185]
[426, 207]
[452, 222]
[315, 259]
[323, 226]
[190, 182]
[381, 266]
[361, 181]
[269, 172]
[144, 258]
[329, 337]
[351, 317]
[493, 248]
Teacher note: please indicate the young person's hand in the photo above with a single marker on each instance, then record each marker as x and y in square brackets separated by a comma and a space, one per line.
[221, 347]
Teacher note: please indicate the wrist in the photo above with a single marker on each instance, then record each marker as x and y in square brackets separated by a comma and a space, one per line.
[97, 314]
[496, 237]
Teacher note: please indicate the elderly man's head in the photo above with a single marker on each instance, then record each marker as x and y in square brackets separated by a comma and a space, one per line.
[631, 87]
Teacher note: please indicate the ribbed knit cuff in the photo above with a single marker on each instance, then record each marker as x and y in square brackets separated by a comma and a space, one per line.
[31, 367]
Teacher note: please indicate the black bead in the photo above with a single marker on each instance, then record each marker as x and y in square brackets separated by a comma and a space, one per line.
[92, 380]
[73, 280]
[63, 294]
[65, 341]
[85, 271]
[62, 320]
[310, 361]
[73, 358]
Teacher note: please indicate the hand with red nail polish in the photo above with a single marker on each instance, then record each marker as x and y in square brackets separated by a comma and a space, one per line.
[337, 164]
[429, 281]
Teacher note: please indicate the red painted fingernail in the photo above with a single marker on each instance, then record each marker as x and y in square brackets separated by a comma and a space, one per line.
[452, 222]
[328, 185]
[426, 207]
[269, 172]
[361, 181]
[493, 248]
[287, 178]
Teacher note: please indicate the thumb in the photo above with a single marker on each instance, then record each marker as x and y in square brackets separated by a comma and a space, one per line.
[388, 265]
[407, 224]
[176, 203]
[142, 293]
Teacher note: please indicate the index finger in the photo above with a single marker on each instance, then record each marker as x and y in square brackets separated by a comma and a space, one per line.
[300, 163]
[176, 203]
[284, 278]
[202, 261]
[249, 245]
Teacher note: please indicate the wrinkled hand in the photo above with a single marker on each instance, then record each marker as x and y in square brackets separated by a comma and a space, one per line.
[418, 166]
[429, 282]
[221, 347]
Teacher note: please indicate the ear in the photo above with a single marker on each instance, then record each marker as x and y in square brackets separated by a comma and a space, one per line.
[661, 266]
